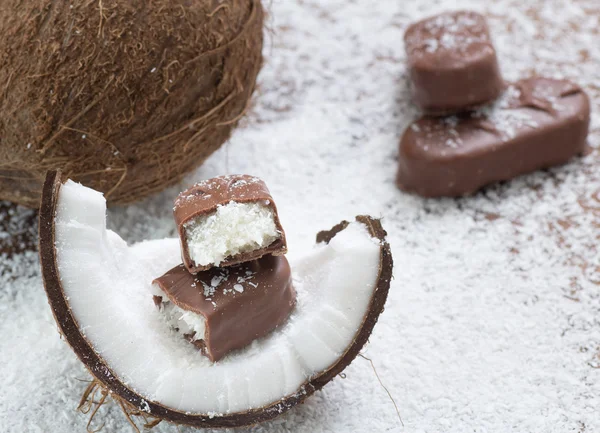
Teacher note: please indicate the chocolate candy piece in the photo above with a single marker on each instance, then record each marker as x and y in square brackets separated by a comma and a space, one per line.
[452, 62]
[227, 220]
[538, 123]
[238, 304]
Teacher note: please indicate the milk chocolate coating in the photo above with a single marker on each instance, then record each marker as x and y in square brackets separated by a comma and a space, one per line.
[537, 123]
[452, 62]
[240, 303]
[203, 199]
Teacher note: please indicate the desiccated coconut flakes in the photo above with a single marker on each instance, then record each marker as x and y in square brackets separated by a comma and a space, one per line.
[492, 321]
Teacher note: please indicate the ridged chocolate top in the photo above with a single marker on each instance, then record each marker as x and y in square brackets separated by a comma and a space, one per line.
[205, 196]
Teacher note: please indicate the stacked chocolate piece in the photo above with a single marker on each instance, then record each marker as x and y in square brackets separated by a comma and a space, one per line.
[234, 284]
[476, 129]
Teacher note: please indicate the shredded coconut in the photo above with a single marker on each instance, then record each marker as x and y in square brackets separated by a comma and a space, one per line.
[234, 228]
[492, 320]
[185, 322]
[506, 121]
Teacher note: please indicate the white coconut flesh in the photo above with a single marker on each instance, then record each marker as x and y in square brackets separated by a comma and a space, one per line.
[232, 229]
[108, 287]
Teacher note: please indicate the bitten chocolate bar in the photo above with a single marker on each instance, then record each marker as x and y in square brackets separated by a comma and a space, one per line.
[227, 220]
[537, 123]
[224, 309]
[452, 63]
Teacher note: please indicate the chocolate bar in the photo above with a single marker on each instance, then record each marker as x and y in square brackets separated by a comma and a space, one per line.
[223, 309]
[227, 220]
[537, 123]
[452, 62]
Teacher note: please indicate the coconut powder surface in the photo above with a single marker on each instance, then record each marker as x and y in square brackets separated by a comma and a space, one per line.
[492, 322]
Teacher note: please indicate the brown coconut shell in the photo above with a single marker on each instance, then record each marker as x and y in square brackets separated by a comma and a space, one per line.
[125, 96]
[103, 374]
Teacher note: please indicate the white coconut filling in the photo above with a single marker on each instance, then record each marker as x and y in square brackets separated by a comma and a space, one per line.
[185, 322]
[109, 286]
[232, 229]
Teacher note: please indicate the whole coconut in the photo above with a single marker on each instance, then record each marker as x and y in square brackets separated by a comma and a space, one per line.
[125, 96]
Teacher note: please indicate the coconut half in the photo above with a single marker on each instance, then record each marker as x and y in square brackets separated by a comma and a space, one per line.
[100, 291]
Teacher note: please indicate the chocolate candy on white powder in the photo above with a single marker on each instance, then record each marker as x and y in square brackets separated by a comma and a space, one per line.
[239, 303]
[227, 220]
[452, 62]
[537, 123]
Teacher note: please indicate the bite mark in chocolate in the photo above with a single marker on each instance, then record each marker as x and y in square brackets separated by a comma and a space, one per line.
[537, 123]
[227, 220]
[237, 304]
[452, 62]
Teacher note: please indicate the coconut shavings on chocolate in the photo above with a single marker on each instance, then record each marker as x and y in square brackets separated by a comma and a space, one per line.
[225, 309]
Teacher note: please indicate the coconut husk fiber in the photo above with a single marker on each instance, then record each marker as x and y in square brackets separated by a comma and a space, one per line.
[125, 96]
